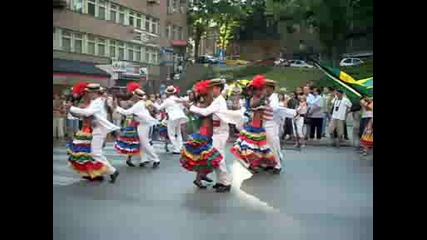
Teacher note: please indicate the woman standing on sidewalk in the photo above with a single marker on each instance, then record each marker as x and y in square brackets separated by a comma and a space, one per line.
[299, 121]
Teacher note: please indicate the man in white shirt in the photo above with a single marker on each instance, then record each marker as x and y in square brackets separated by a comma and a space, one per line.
[100, 125]
[340, 108]
[176, 117]
[145, 122]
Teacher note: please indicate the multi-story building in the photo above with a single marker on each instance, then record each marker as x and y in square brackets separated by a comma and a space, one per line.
[127, 39]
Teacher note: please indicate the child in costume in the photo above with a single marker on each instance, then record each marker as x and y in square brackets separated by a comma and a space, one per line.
[198, 153]
[367, 139]
[251, 145]
[79, 149]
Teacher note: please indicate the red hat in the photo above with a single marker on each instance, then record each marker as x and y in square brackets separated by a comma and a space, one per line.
[79, 88]
[202, 87]
[132, 86]
[257, 82]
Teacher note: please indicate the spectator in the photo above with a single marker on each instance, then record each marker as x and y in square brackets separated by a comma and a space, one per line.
[299, 121]
[327, 98]
[286, 124]
[58, 117]
[341, 107]
[316, 115]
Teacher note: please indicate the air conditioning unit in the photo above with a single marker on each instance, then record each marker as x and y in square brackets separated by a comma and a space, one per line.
[60, 4]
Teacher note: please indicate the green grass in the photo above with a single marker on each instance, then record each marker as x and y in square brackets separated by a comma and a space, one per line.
[294, 77]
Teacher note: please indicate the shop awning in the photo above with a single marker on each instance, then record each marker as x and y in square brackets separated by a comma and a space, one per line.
[68, 72]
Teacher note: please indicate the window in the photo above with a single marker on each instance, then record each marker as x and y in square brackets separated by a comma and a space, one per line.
[113, 48]
[122, 15]
[90, 45]
[130, 51]
[143, 56]
[101, 9]
[138, 24]
[147, 24]
[113, 12]
[91, 7]
[66, 40]
[168, 32]
[174, 34]
[77, 6]
[154, 26]
[147, 55]
[121, 51]
[101, 46]
[132, 18]
[179, 37]
[137, 53]
[78, 42]
[156, 56]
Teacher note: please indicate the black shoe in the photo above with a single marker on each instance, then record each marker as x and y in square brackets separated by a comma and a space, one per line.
[143, 164]
[205, 178]
[199, 185]
[223, 188]
[276, 171]
[216, 185]
[176, 153]
[114, 176]
[129, 163]
[151, 143]
[156, 164]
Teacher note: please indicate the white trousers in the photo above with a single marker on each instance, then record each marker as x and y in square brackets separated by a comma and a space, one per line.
[98, 138]
[147, 150]
[175, 136]
[218, 142]
[58, 127]
[299, 122]
[273, 142]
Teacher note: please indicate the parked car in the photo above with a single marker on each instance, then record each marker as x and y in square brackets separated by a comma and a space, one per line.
[207, 59]
[300, 64]
[281, 62]
[347, 62]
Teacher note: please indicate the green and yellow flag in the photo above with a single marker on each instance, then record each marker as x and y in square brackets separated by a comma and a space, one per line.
[354, 89]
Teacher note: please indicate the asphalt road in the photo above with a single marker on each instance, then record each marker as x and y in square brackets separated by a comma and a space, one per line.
[324, 193]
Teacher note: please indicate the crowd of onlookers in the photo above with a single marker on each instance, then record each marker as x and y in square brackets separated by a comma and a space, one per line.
[322, 113]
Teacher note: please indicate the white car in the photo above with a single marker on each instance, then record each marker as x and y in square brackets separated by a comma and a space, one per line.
[300, 64]
[347, 62]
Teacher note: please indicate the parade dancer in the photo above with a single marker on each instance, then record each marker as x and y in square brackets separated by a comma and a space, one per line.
[92, 136]
[367, 139]
[221, 118]
[251, 145]
[272, 120]
[198, 153]
[176, 117]
[128, 143]
[145, 120]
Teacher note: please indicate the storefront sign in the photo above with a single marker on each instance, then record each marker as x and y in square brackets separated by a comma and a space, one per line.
[179, 43]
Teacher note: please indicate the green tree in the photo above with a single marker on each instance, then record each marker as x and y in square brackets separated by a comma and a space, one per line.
[199, 19]
[334, 20]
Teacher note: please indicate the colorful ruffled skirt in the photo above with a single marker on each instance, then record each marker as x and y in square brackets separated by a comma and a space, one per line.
[199, 155]
[251, 147]
[367, 139]
[80, 157]
[128, 142]
[163, 130]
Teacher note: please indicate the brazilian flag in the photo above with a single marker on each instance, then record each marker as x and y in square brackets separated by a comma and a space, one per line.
[354, 89]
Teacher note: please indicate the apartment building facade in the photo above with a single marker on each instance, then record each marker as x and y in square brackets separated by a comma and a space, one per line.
[114, 42]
